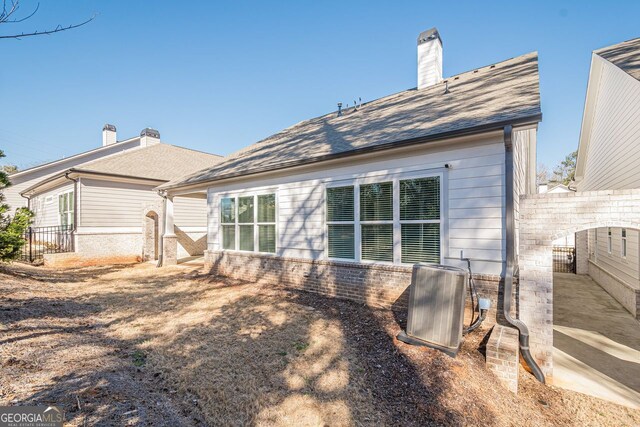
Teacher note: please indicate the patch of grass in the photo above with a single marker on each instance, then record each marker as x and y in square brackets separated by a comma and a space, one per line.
[282, 353]
[139, 358]
[301, 346]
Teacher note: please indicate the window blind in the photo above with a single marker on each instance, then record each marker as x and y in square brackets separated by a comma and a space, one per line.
[340, 204]
[246, 236]
[376, 202]
[420, 243]
[228, 237]
[341, 241]
[420, 199]
[267, 208]
[377, 242]
[228, 210]
[267, 238]
[245, 209]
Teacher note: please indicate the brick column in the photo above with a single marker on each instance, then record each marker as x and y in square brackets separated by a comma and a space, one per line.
[536, 300]
[169, 239]
[582, 252]
[503, 355]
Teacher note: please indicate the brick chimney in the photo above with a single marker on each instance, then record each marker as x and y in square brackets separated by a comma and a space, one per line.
[108, 135]
[429, 58]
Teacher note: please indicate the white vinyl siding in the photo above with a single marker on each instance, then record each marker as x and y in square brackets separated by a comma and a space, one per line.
[46, 208]
[473, 199]
[190, 212]
[113, 204]
[625, 268]
[613, 152]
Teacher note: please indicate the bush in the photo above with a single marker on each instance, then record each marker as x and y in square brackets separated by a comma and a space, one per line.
[12, 228]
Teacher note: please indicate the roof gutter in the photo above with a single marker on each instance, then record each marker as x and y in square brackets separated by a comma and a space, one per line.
[511, 257]
[498, 126]
[68, 172]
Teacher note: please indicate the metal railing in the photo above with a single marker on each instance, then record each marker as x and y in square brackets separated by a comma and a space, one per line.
[46, 240]
[564, 259]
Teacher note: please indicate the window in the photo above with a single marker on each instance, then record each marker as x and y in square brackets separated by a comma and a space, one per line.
[420, 220]
[228, 221]
[391, 221]
[340, 222]
[376, 221]
[624, 242]
[267, 223]
[65, 208]
[609, 241]
[248, 222]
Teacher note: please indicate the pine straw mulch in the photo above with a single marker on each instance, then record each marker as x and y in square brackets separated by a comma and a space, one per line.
[140, 346]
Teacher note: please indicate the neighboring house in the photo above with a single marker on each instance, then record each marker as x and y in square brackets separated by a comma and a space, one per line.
[24, 179]
[553, 188]
[105, 203]
[609, 159]
[347, 202]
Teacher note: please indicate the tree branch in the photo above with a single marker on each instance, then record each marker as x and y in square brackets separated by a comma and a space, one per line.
[58, 29]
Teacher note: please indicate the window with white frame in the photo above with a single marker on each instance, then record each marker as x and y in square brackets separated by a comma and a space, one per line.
[624, 243]
[248, 223]
[341, 222]
[390, 221]
[420, 219]
[609, 241]
[376, 221]
[66, 208]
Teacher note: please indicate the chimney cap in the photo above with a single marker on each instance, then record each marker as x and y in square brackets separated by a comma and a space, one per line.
[428, 35]
[150, 132]
[112, 128]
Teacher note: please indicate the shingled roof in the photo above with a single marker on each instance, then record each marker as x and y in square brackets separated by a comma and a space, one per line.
[160, 161]
[496, 95]
[625, 55]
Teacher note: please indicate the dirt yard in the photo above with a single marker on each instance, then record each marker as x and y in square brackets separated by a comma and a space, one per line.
[141, 346]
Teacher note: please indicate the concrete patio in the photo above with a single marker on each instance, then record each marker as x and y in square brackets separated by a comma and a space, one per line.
[596, 342]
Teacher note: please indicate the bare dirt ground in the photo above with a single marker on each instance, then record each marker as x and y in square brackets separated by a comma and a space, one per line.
[141, 346]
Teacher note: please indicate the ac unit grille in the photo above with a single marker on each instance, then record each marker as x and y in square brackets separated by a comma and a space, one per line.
[436, 306]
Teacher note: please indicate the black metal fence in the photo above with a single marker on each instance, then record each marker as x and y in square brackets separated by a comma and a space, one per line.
[564, 259]
[46, 240]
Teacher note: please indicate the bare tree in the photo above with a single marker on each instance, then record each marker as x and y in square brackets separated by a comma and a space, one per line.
[542, 175]
[9, 9]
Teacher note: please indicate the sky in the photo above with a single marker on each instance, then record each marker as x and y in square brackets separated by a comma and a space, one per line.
[220, 75]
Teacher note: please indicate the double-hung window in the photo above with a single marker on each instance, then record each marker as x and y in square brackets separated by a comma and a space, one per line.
[397, 220]
[376, 221]
[341, 222]
[248, 223]
[66, 208]
[420, 219]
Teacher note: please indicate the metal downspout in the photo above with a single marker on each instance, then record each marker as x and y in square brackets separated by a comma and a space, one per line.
[511, 258]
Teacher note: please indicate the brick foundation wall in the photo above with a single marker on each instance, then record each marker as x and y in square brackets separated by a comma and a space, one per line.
[376, 285]
[503, 355]
[99, 249]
